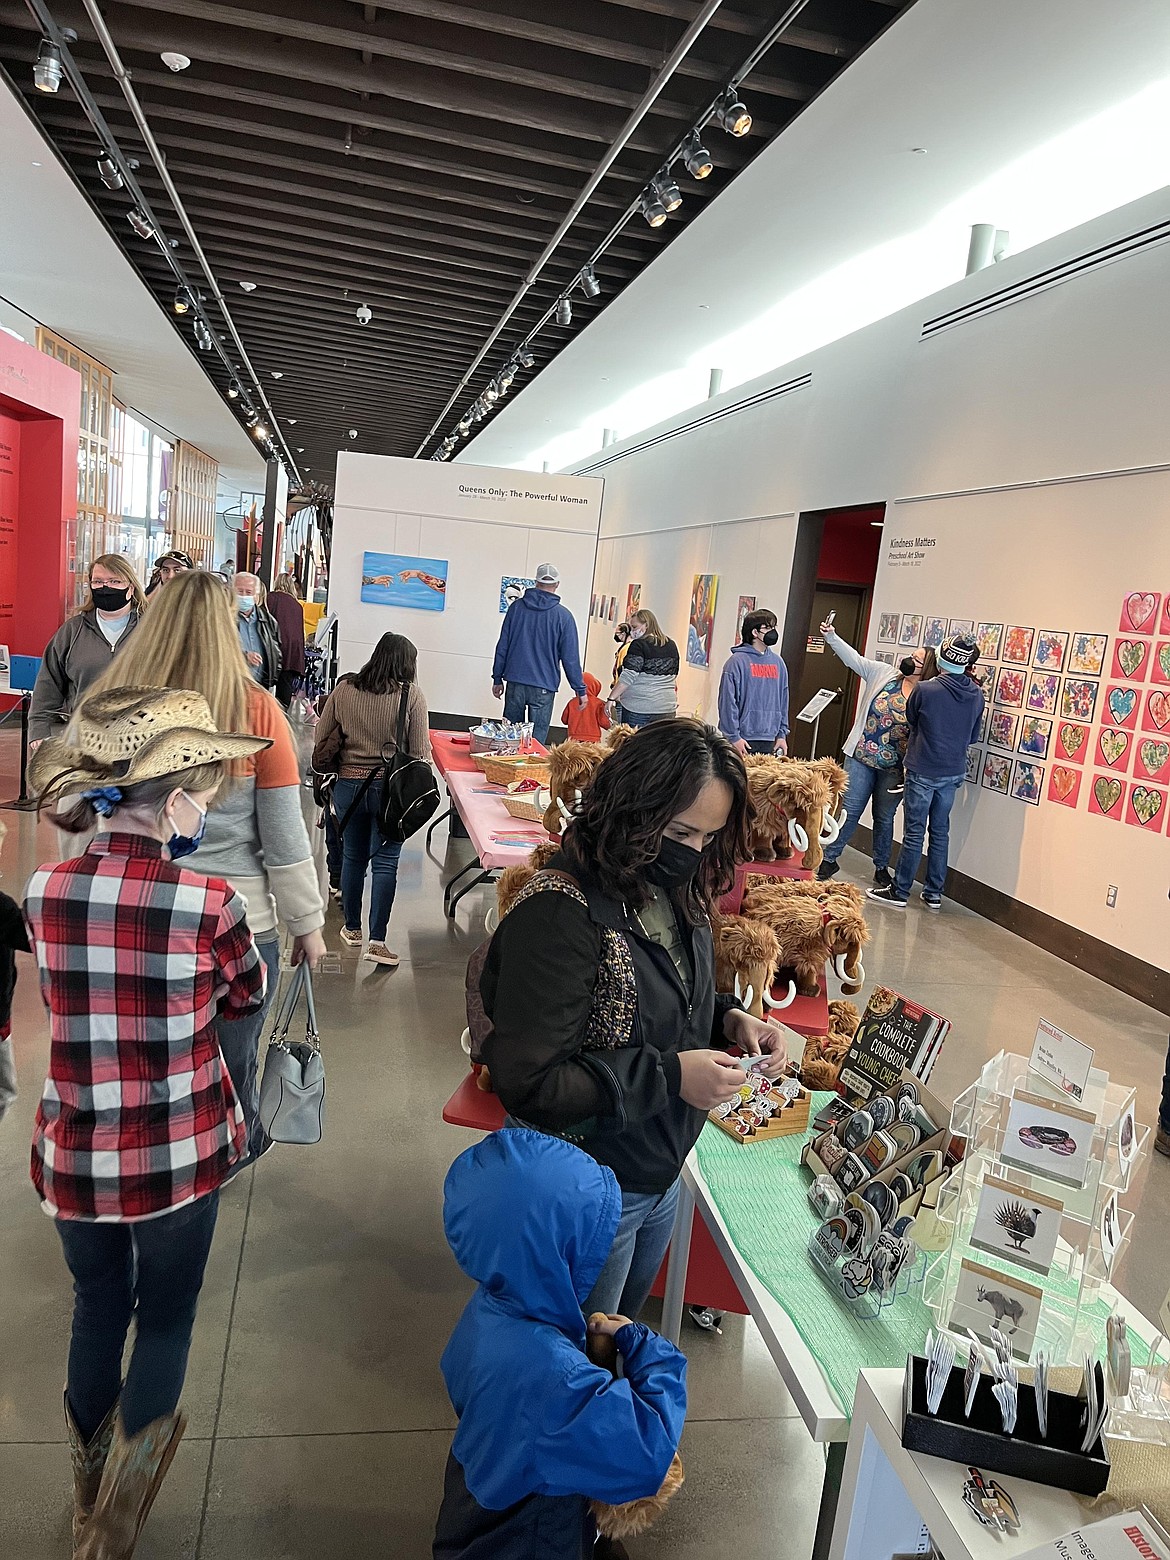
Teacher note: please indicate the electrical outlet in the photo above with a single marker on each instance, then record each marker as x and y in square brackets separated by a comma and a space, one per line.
[1111, 896]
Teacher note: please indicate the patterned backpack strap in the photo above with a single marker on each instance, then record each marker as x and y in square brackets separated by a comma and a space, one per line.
[548, 880]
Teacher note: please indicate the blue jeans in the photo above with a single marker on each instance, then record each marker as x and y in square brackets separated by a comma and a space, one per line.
[363, 845]
[525, 701]
[635, 718]
[869, 786]
[643, 1235]
[239, 1044]
[926, 801]
[151, 1271]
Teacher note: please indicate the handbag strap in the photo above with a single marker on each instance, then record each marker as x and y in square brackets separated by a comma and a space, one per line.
[352, 808]
[302, 980]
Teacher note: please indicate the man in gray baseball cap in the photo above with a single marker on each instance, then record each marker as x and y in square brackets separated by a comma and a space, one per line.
[539, 636]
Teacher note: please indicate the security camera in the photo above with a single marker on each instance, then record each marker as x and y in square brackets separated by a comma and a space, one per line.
[175, 61]
[365, 314]
[353, 433]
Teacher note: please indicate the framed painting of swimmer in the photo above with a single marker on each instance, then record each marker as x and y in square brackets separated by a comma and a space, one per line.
[1048, 1138]
[396, 580]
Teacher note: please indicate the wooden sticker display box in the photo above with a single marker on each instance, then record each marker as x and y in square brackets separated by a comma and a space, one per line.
[764, 1108]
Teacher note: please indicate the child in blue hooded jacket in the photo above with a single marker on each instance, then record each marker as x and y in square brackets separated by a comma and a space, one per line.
[542, 1430]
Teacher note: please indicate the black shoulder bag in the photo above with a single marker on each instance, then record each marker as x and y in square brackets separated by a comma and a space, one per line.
[409, 793]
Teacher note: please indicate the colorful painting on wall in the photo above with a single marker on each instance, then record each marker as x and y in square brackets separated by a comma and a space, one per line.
[1152, 761]
[1106, 796]
[1157, 716]
[1009, 687]
[1064, 785]
[746, 604]
[989, 636]
[1121, 706]
[1072, 741]
[911, 634]
[1079, 699]
[701, 628]
[934, 631]
[1086, 656]
[888, 628]
[1002, 731]
[1146, 808]
[633, 599]
[1113, 748]
[512, 587]
[974, 759]
[1139, 612]
[396, 580]
[1035, 733]
[997, 774]
[1160, 665]
[1017, 645]
[960, 626]
[1027, 781]
[1043, 691]
[1051, 645]
[1130, 658]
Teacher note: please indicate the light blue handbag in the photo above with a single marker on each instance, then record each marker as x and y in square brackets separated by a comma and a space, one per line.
[292, 1092]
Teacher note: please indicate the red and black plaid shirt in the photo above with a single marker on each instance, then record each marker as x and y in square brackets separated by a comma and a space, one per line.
[136, 957]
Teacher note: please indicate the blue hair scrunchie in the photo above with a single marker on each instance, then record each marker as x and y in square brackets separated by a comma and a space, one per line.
[103, 799]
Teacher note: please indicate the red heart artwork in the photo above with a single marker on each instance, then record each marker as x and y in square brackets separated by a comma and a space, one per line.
[1159, 709]
[1106, 794]
[1072, 738]
[1140, 608]
[1063, 783]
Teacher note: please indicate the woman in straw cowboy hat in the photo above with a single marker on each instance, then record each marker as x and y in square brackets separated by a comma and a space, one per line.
[139, 1124]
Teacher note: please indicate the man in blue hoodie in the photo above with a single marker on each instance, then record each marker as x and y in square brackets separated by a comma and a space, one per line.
[753, 689]
[539, 636]
[543, 1430]
[943, 716]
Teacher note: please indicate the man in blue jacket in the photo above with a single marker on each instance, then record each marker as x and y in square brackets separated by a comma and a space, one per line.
[943, 716]
[753, 689]
[539, 636]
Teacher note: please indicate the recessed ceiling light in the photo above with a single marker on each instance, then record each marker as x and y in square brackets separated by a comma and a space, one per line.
[174, 60]
[300, 449]
[291, 421]
[919, 151]
[36, 165]
[277, 373]
[248, 286]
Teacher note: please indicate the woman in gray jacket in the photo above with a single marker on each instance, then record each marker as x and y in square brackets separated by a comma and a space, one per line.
[875, 748]
[85, 644]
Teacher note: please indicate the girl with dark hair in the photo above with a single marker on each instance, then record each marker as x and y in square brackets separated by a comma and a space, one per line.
[600, 983]
[357, 730]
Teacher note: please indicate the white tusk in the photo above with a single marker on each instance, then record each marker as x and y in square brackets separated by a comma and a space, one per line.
[577, 798]
[747, 1001]
[544, 798]
[465, 1042]
[738, 992]
[797, 835]
[829, 823]
[788, 1000]
[836, 963]
[491, 918]
[565, 813]
[859, 978]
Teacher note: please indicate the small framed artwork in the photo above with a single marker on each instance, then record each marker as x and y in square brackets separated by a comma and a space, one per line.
[1078, 699]
[1017, 645]
[593, 605]
[1139, 612]
[1145, 808]
[1009, 687]
[885, 655]
[974, 759]
[1072, 742]
[1027, 781]
[989, 637]
[1001, 729]
[1121, 706]
[981, 734]
[911, 634]
[1157, 713]
[1051, 647]
[966, 626]
[1131, 659]
[1086, 654]
[1049, 1138]
[1160, 663]
[1106, 798]
[1151, 764]
[987, 1300]
[888, 628]
[997, 774]
[1035, 735]
[1113, 748]
[1064, 785]
[934, 631]
[1043, 692]
[983, 672]
[1022, 1226]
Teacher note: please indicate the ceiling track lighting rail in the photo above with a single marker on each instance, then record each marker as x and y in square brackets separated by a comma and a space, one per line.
[654, 203]
[116, 172]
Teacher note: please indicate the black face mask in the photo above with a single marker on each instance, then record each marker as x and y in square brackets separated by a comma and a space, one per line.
[619, 639]
[907, 666]
[108, 599]
[771, 636]
[675, 865]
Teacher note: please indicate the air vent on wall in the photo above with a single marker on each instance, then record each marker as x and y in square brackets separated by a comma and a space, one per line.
[1040, 281]
[759, 399]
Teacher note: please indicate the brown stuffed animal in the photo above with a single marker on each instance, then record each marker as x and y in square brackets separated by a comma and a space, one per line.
[820, 1067]
[571, 766]
[632, 1516]
[801, 792]
[746, 956]
[798, 922]
[845, 931]
[838, 782]
[512, 879]
[616, 735]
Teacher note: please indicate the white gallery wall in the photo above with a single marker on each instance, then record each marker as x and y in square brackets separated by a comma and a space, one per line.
[484, 523]
[988, 419]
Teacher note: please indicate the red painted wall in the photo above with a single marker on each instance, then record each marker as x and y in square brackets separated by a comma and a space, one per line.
[40, 402]
[850, 546]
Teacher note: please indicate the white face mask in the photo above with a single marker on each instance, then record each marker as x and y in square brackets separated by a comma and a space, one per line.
[245, 603]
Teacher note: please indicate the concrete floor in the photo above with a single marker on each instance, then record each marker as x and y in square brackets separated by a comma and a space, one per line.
[318, 1420]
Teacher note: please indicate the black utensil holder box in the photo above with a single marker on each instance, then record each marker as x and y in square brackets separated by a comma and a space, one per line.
[980, 1441]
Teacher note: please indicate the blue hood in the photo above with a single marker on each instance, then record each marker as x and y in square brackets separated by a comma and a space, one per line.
[531, 1219]
[540, 600]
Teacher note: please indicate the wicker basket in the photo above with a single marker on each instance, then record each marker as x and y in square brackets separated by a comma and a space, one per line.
[503, 770]
[524, 807]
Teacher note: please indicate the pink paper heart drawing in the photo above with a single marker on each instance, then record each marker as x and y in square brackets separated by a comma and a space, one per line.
[1159, 708]
[1140, 608]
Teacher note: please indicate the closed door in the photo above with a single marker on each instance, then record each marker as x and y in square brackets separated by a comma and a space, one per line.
[822, 669]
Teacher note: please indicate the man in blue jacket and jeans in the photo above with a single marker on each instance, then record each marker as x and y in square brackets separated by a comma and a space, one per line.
[539, 636]
[943, 716]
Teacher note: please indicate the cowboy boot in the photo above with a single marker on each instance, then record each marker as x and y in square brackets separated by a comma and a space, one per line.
[89, 1461]
[135, 1469]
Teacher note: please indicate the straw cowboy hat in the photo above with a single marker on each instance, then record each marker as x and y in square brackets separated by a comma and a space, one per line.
[128, 735]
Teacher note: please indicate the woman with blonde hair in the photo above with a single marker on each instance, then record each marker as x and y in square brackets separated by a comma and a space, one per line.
[256, 836]
[83, 647]
[646, 688]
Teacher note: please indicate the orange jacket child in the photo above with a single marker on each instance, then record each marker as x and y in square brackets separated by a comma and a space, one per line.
[586, 725]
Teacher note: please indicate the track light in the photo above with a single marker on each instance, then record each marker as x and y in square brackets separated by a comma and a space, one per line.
[731, 115]
[525, 355]
[143, 226]
[260, 431]
[590, 286]
[491, 395]
[564, 312]
[108, 171]
[667, 190]
[696, 157]
[234, 390]
[182, 303]
[202, 335]
[653, 209]
[464, 426]
[47, 69]
[507, 374]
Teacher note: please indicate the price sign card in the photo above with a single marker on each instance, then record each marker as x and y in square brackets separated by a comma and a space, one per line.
[1061, 1060]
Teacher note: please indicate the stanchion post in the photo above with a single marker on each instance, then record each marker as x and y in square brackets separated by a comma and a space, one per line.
[24, 801]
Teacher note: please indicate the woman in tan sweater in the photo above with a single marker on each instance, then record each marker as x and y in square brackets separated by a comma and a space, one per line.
[356, 735]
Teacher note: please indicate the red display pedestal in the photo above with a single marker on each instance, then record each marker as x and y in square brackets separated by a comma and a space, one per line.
[791, 868]
[469, 1106]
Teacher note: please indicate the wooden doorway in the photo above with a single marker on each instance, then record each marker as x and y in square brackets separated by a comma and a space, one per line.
[822, 669]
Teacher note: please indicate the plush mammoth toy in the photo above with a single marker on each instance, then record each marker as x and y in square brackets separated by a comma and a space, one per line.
[798, 923]
[746, 956]
[845, 930]
[616, 735]
[632, 1516]
[791, 808]
[571, 766]
[820, 1066]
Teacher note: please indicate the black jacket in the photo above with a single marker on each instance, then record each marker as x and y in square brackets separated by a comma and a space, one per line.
[621, 1105]
[269, 631]
[13, 940]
